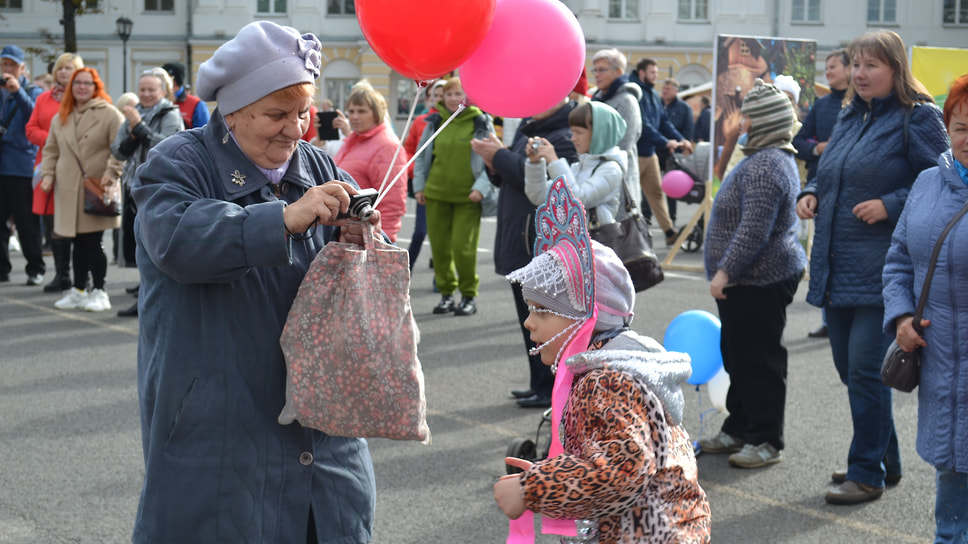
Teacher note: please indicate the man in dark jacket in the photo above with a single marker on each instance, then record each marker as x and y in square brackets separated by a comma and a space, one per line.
[680, 115]
[515, 220]
[657, 132]
[194, 112]
[17, 97]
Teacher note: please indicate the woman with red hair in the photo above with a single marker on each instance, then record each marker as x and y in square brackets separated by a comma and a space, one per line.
[78, 147]
[937, 196]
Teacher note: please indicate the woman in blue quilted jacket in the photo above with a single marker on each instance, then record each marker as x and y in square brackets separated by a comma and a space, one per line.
[889, 131]
[937, 196]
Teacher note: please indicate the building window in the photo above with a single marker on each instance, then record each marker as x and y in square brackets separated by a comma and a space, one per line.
[881, 11]
[159, 5]
[623, 9]
[11, 5]
[338, 90]
[341, 7]
[271, 7]
[806, 11]
[693, 10]
[956, 12]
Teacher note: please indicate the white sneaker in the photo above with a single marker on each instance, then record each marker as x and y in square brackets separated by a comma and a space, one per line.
[98, 301]
[75, 298]
[756, 456]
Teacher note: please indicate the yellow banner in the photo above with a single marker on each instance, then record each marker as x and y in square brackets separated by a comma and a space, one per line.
[937, 68]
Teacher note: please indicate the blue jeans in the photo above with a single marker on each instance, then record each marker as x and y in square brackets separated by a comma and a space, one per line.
[858, 347]
[419, 233]
[951, 507]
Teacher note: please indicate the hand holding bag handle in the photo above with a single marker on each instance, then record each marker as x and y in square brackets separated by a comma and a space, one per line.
[902, 369]
[97, 199]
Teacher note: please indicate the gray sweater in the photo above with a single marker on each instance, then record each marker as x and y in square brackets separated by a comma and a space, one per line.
[752, 232]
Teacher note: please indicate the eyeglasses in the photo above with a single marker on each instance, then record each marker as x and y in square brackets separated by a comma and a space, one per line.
[79, 83]
[602, 70]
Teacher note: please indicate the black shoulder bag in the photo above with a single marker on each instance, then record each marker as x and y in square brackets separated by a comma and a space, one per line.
[630, 240]
[902, 369]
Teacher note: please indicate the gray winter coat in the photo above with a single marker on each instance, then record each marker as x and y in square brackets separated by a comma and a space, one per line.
[218, 276]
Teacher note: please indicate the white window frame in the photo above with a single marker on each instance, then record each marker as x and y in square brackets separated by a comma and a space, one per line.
[628, 10]
[956, 10]
[272, 7]
[804, 11]
[694, 8]
[6, 5]
[880, 12]
[160, 8]
[342, 9]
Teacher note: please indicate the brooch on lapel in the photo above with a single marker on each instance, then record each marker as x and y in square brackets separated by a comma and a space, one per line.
[238, 178]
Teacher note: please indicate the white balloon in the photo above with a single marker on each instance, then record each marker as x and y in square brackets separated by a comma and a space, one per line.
[718, 386]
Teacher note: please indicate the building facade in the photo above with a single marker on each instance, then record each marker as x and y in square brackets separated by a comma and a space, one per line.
[679, 34]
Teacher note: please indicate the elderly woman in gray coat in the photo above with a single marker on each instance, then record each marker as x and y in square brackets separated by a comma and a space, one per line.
[230, 216]
[147, 123]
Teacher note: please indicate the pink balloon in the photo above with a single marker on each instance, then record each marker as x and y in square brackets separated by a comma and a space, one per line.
[530, 59]
[676, 183]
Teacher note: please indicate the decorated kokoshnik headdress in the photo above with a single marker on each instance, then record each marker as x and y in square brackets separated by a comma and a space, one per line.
[561, 277]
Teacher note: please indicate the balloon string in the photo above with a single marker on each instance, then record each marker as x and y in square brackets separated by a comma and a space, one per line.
[419, 151]
[396, 152]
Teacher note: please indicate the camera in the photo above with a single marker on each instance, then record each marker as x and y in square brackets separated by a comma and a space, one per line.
[3, 81]
[535, 145]
[361, 205]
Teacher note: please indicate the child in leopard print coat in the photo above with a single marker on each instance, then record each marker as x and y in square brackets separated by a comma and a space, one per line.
[626, 462]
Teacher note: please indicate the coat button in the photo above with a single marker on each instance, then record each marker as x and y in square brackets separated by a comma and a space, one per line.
[306, 458]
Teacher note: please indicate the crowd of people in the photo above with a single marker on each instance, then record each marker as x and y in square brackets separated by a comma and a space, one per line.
[223, 211]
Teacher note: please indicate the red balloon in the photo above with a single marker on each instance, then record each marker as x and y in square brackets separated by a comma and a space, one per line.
[424, 39]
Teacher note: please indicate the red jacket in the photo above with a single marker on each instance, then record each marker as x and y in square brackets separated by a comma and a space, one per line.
[367, 157]
[413, 137]
[45, 109]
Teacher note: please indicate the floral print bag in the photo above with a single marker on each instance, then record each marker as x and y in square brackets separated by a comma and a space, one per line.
[350, 344]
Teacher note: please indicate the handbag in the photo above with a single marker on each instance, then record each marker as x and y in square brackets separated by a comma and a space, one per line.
[631, 241]
[902, 369]
[99, 200]
[350, 343]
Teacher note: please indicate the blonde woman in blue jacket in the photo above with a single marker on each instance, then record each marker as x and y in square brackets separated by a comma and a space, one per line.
[596, 179]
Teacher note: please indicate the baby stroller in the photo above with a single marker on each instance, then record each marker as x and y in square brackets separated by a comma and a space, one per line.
[532, 450]
[697, 166]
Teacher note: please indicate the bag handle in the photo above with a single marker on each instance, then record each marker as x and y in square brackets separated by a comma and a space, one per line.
[923, 300]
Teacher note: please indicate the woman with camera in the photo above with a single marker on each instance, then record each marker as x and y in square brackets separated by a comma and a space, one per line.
[596, 178]
[147, 123]
[368, 152]
[230, 217]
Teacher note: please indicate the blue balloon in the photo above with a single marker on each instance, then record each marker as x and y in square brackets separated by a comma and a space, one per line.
[696, 332]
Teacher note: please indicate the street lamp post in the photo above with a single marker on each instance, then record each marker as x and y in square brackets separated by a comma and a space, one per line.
[124, 32]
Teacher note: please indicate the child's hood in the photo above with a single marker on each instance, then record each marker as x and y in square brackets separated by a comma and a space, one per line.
[608, 128]
[663, 372]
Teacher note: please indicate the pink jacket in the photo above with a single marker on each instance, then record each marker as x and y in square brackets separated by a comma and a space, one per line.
[366, 156]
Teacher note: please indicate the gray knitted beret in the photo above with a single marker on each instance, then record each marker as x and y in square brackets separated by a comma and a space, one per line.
[262, 58]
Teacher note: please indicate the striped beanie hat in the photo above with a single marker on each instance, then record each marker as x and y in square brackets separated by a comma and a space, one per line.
[771, 117]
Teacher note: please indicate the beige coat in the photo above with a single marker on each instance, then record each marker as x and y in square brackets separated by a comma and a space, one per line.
[86, 136]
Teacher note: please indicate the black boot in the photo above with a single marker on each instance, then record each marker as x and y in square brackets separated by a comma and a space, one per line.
[61, 249]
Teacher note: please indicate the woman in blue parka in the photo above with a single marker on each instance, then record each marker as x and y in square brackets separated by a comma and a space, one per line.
[889, 132]
[226, 229]
[937, 196]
